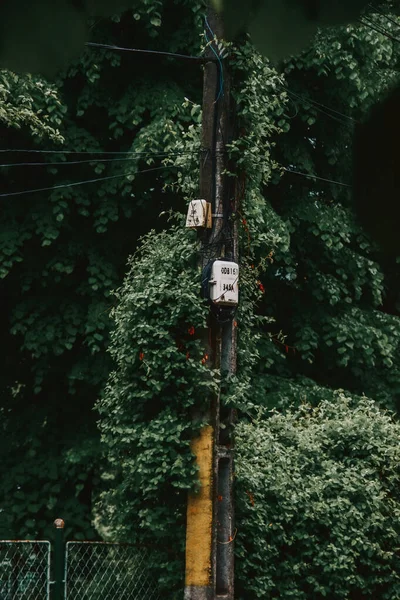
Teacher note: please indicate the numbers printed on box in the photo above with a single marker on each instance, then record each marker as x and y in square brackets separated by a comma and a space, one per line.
[224, 283]
[228, 287]
[228, 271]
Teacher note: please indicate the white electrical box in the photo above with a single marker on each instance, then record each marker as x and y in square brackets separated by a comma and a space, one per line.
[199, 214]
[224, 283]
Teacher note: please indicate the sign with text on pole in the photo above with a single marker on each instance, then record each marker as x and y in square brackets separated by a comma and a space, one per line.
[224, 283]
[220, 284]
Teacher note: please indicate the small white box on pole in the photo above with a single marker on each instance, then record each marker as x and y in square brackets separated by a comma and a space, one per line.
[224, 283]
[199, 214]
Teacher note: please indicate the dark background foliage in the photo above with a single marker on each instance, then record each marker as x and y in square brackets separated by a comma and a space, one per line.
[319, 300]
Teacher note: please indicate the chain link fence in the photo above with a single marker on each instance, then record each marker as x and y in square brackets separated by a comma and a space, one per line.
[107, 571]
[24, 570]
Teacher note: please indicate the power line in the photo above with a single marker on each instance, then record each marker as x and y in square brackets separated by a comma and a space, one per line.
[317, 108]
[309, 176]
[101, 152]
[98, 179]
[388, 17]
[320, 106]
[67, 185]
[370, 23]
[89, 160]
[198, 59]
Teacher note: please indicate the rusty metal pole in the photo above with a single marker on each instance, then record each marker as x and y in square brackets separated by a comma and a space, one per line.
[209, 547]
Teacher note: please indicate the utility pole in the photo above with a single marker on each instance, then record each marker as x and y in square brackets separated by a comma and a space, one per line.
[209, 536]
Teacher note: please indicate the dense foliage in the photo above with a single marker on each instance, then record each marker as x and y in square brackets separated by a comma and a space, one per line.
[333, 294]
[328, 314]
[161, 381]
[319, 503]
[63, 250]
[162, 375]
[319, 303]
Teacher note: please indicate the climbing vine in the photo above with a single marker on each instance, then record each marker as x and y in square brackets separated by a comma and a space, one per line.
[162, 377]
[162, 380]
[327, 319]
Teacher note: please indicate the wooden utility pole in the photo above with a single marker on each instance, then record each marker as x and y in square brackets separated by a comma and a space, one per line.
[209, 536]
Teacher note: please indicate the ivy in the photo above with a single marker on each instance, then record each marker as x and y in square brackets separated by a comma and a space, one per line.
[318, 508]
[161, 381]
[326, 319]
[319, 305]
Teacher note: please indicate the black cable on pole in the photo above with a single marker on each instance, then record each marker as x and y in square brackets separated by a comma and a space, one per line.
[198, 59]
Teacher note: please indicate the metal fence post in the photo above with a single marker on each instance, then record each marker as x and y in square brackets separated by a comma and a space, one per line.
[59, 558]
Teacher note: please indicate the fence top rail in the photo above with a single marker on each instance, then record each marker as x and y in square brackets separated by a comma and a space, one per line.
[110, 544]
[24, 542]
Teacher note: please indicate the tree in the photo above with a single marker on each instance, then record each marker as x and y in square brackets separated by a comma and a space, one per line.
[65, 248]
[327, 315]
[300, 245]
[318, 307]
[161, 379]
[333, 293]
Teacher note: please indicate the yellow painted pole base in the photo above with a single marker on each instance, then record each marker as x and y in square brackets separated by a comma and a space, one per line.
[198, 576]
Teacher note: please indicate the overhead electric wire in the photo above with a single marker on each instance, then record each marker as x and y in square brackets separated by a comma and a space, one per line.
[133, 174]
[320, 110]
[388, 17]
[199, 59]
[309, 176]
[87, 161]
[152, 169]
[102, 152]
[68, 185]
[370, 23]
[202, 59]
[322, 107]
[319, 106]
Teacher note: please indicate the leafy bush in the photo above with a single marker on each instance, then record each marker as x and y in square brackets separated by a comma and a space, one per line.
[161, 380]
[318, 502]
